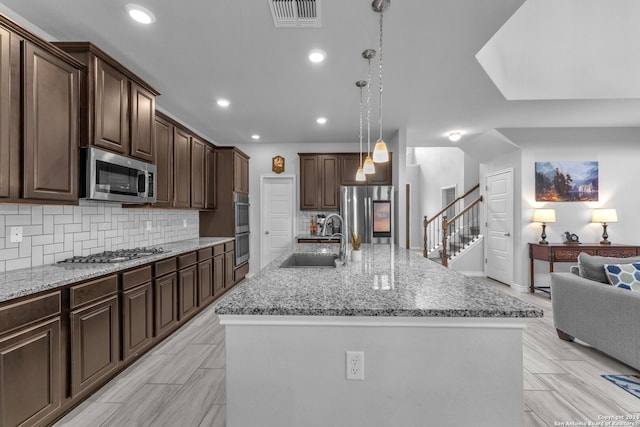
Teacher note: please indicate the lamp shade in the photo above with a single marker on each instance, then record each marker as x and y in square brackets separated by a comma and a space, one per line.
[544, 215]
[360, 176]
[604, 215]
[368, 167]
[380, 152]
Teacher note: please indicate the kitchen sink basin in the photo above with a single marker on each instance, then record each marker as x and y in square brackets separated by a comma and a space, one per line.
[310, 260]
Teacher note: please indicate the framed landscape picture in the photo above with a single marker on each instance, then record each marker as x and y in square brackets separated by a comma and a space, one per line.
[566, 181]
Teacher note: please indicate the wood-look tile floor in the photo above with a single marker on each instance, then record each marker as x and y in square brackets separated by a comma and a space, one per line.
[181, 382]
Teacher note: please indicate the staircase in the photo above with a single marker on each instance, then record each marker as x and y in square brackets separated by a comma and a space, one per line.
[445, 238]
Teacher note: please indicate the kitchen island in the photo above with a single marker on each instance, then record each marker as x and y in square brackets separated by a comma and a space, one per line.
[440, 349]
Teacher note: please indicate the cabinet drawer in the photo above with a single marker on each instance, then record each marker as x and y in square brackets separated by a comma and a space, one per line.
[187, 260]
[30, 311]
[571, 254]
[205, 254]
[136, 277]
[93, 290]
[618, 252]
[228, 247]
[166, 266]
[218, 250]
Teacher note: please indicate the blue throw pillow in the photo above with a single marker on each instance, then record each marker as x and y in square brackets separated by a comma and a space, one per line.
[626, 276]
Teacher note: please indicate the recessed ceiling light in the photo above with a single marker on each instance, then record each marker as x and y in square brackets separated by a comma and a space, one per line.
[455, 136]
[140, 14]
[317, 55]
[321, 120]
[222, 102]
[255, 136]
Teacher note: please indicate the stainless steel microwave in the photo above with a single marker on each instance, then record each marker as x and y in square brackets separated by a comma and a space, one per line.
[113, 177]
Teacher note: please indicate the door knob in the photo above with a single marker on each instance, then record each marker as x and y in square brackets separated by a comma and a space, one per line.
[507, 234]
[266, 232]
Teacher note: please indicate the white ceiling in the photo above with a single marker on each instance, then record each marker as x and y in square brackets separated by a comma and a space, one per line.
[199, 50]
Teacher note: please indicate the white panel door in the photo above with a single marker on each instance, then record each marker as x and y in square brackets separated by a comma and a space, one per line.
[277, 217]
[499, 189]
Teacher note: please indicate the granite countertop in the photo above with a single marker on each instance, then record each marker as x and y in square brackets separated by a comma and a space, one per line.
[27, 281]
[389, 281]
[315, 237]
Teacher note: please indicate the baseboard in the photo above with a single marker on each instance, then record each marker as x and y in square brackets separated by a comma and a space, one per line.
[473, 273]
[520, 288]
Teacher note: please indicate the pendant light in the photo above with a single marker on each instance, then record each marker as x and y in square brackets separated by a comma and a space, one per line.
[369, 167]
[380, 152]
[360, 176]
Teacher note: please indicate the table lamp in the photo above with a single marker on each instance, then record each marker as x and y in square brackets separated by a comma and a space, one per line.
[544, 216]
[604, 216]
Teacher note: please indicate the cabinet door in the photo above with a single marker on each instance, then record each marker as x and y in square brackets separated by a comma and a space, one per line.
[309, 184]
[349, 164]
[383, 175]
[166, 303]
[330, 184]
[198, 158]
[218, 274]
[210, 179]
[95, 343]
[111, 129]
[137, 319]
[143, 112]
[164, 163]
[187, 291]
[228, 269]
[181, 168]
[5, 113]
[205, 282]
[30, 383]
[51, 110]
[237, 173]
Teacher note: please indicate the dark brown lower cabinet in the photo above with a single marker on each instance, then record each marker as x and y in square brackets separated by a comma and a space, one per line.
[30, 369]
[218, 269]
[137, 311]
[137, 319]
[95, 343]
[166, 303]
[229, 261]
[205, 282]
[188, 291]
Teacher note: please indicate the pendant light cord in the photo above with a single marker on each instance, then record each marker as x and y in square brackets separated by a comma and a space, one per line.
[380, 76]
[369, 109]
[360, 126]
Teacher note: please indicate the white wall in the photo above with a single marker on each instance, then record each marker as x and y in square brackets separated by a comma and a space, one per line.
[618, 154]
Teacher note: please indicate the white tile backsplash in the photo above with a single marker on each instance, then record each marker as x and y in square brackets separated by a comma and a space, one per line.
[53, 233]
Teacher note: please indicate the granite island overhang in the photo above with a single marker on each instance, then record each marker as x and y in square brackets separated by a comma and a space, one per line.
[439, 348]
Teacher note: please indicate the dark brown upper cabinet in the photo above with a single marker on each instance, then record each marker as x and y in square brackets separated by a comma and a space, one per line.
[39, 127]
[198, 161]
[349, 163]
[240, 173]
[118, 107]
[319, 182]
[210, 178]
[181, 168]
[50, 126]
[164, 163]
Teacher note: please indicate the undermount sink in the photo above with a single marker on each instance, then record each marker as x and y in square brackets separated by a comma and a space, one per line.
[310, 260]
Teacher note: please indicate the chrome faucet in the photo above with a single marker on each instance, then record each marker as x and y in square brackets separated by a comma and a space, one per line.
[342, 256]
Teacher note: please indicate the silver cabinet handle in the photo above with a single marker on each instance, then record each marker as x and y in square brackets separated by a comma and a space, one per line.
[507, 234]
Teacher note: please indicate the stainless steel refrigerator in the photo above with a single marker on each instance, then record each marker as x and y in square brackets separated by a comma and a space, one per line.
[369, 211]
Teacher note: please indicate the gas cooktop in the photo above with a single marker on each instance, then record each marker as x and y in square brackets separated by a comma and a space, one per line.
[119, 255]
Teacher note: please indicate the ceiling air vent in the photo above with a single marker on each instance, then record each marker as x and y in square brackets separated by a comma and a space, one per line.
[295, 13]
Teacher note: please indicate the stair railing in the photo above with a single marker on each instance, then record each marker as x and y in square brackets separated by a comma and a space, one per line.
[466, 230]
[434, 231]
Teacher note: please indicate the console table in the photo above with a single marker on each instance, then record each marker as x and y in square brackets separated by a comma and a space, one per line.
[561, 252]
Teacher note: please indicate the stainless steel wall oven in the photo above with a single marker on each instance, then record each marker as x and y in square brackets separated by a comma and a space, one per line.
[241, 207]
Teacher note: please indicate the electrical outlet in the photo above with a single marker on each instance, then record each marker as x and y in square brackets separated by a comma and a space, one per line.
[355, 365]
[149, 225]
[16, 234]
[184, 223]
